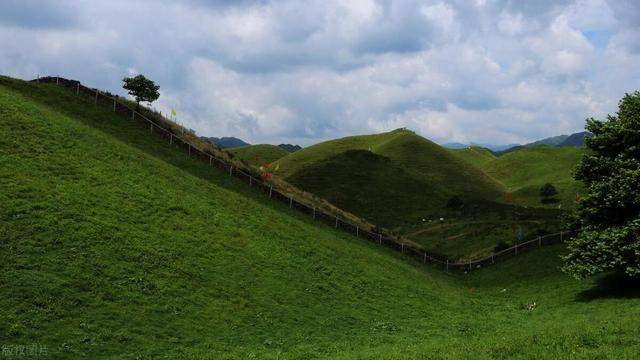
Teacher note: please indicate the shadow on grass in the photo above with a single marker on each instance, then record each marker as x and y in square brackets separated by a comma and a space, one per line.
[612, 286]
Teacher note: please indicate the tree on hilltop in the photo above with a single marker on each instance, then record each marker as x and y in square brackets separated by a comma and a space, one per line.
[608, 217]
[141, 88]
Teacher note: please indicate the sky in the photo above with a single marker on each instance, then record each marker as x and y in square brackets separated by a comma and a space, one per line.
[482, 71]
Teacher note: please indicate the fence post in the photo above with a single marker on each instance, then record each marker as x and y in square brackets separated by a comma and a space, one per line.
[38, 79]
[250, 180]
[151, 127]
[170, 139]
[57, 80]
[96, 96]
[230, 170]
[314, 212]
[210, 160]
[560, 236]
[336, 222]
[402, 248]
[447, 264]
[189, 150]
[539, 241]
[425, 258]
[469, 264]
[290, 202]
[270, 191]
[380, 238]
[78, 89]
[114, 104]
[133, 115]
[357, 231]
[492, 261]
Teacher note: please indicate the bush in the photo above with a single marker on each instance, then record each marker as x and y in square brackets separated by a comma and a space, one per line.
[455, 203]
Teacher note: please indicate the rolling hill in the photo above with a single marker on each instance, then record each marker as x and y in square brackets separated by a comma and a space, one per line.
[419, 174]
[525, 170]
[475, 155]
[226, 142]
[258, 155]
[116, 244]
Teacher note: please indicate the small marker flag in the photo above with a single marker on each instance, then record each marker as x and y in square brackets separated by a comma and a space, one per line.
[277, 167]
[520, 233]
[173, 112]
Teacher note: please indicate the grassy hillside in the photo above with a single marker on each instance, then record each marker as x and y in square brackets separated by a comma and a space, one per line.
[476, 155]
[524, 171]
[257, 155]
[370, 185]
[404, 179]
[115, 245]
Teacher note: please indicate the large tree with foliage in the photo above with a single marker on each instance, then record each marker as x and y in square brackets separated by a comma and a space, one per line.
[141, 88]
[608, 217]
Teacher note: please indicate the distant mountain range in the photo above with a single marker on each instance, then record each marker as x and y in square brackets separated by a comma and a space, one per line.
[577, 139]
[226, 142]
[290, 148]
[234, 142]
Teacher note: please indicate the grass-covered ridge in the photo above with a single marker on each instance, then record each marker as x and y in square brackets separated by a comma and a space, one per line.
[419, 174]
[524, 171]
[116, 245]
[258, 155]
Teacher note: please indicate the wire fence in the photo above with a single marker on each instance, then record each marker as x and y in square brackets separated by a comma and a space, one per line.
[254, 180]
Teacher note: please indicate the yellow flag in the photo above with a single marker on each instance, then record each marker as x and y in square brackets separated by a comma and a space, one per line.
[173, 112]
[277, 167]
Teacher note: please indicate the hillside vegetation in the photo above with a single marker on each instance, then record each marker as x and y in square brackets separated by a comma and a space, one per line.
[404, 179]
[258, 155]
[475, 155]
[117, 245]
[524, 171]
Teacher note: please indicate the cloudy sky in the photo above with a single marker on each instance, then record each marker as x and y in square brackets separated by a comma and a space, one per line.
[488, 71]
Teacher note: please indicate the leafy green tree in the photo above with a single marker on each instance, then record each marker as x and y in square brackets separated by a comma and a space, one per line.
[141, 88]
[608, 217]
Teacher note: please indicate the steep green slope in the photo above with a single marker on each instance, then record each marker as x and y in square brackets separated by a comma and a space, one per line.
[419, 174]
[259, 154]
[113, 244]
[370, 185]
[524, 171]
[475, 155]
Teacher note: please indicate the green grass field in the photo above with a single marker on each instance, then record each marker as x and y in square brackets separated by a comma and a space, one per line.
[114, 244]
[400, 181]
[475, 155]
[257, 155]
[394, 179]
[525, 171]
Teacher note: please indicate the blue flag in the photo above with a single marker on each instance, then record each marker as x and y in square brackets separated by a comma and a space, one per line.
[520, 233]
